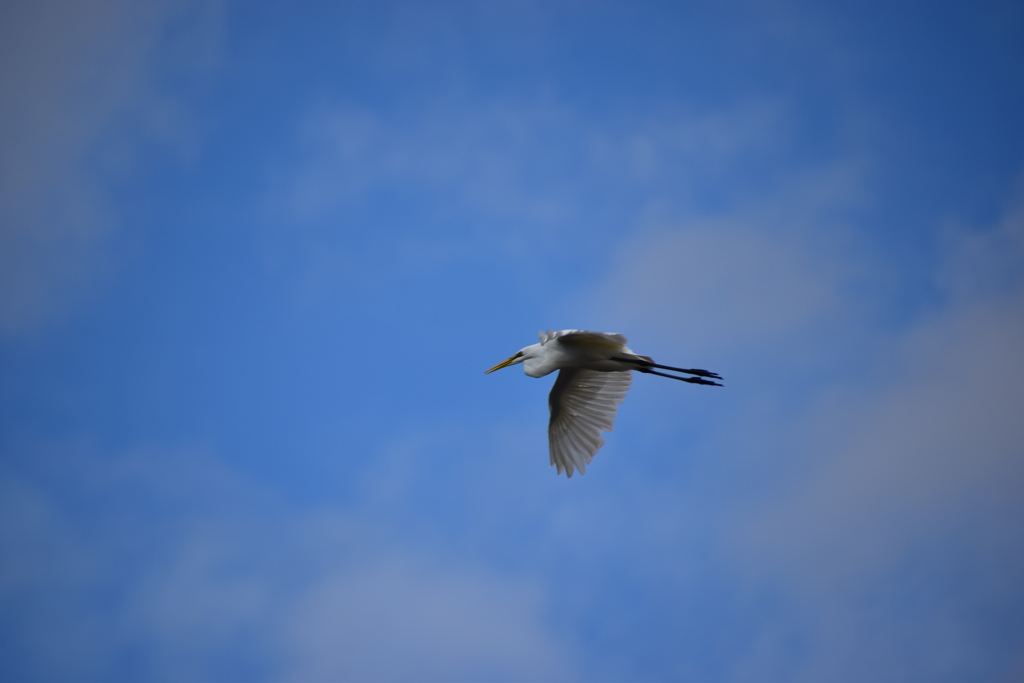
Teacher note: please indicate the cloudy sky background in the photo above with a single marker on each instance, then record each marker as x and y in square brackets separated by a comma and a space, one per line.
[255, 257]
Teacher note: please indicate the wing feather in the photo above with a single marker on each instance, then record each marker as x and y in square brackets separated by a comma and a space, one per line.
[583, 404]
[581, 337]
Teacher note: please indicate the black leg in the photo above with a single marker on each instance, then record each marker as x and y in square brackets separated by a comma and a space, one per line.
[649, 364]
[691, 380]
[699, 373]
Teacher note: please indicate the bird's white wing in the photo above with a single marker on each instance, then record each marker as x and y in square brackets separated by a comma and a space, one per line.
[583, 404]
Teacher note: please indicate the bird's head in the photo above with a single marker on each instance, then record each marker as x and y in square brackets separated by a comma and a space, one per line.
[518, 358]
[535, 358]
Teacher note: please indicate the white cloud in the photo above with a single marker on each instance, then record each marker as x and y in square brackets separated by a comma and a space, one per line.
[199, 573]
[909, 503]
[772, 288]
[78, 82]
[483, 155]
[983, 263]
[522, 178]
[881, 510]
[403, 619]
[712, 279]
[535, 157]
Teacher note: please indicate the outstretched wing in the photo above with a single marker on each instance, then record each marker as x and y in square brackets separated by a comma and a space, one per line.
[583, 404]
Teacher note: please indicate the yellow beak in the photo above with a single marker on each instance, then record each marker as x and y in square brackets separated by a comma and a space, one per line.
[505, 363]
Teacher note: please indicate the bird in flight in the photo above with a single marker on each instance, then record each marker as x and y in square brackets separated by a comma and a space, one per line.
[595, 371]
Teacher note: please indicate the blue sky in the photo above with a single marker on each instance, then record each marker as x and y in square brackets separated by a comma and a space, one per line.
[255, 257]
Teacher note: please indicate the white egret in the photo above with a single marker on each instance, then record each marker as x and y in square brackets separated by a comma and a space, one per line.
[595, 371]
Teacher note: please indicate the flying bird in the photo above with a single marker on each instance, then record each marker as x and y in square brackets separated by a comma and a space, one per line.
[595, 371]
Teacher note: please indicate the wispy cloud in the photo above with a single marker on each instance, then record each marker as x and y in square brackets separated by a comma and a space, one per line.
[909, 498]
[80, 84]
[883, 462]
[526, 173]
[172, 556]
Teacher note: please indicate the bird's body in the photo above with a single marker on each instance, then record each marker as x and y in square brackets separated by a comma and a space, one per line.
[576, 349]
[595, 372]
